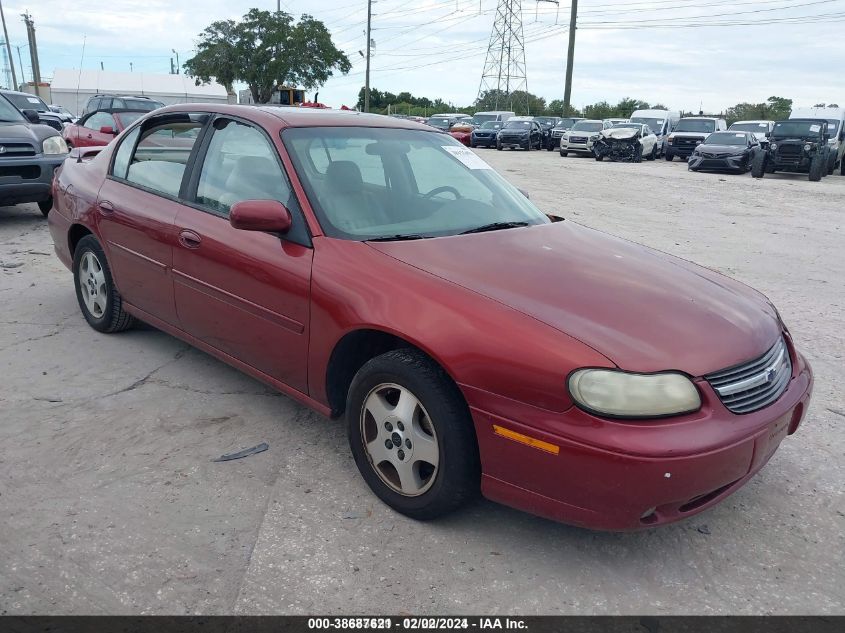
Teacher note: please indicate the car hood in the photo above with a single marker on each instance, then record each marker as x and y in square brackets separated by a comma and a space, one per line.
[721, 149]
[643, 309]
[25, 132]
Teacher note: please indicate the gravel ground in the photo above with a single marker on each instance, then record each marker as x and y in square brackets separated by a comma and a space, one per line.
[111, 504]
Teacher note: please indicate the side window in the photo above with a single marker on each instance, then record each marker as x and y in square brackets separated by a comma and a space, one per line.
[240, 164]
[105, 104]
[117, 103]
[98, 120]
[162, 152]
[121, 156]
[93, 104]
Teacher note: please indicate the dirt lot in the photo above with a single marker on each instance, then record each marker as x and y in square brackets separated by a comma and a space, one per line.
[110, 502]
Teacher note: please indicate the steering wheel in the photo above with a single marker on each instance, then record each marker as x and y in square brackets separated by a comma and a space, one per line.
[444, 189]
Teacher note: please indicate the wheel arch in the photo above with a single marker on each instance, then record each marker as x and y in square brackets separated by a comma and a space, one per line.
[353, 350]
[75, 234]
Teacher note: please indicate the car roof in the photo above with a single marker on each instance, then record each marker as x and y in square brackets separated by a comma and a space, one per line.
[296, 116]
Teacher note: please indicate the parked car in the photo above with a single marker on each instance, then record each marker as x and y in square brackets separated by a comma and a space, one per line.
[725, 151]
[99, 128]
[689, 133]
[65, 115]
[661, 122]
[582, 136]
[28, 103]
[547, 124]
[616, 121]
[485, 136]
[120, 102]
[796, 145]
[559, 129]
[520, 132]
[835, 117]
[446, 121]
[29, 153]
[626, 142]
[462, 132]
[406, 287]
[498, 116]
[760, 129]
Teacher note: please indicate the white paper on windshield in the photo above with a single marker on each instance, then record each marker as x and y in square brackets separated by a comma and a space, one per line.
[33, 100]
[740, 135]
[467, 157]
[815, 128]
[762, 125]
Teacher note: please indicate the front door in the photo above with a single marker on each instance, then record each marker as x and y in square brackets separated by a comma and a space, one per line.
[245, 293]
[88, 130]
[137, 207]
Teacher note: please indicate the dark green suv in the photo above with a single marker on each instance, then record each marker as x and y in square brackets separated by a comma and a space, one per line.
[796, 145]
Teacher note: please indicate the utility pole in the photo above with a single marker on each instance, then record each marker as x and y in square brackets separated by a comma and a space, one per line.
[33, 49]
[367, 79]
[175, 52]
[567, 94]
[20, 61]
[9, 50]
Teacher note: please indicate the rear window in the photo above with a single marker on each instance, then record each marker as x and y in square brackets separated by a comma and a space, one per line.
[28, 102]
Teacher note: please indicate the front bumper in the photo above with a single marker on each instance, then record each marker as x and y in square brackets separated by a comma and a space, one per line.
[27, 179]
[484, 141]
[513, 141]
[733, 163]
[577, 148]
[621, 476]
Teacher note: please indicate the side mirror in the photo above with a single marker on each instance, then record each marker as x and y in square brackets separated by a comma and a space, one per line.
[108, 129]
[31, 116]
[260, 215]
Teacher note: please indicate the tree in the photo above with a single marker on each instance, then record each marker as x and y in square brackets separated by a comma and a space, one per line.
[518, 101]
[266, 50]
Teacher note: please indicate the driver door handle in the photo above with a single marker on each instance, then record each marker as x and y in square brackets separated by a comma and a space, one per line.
[189, 239]
[105, 207]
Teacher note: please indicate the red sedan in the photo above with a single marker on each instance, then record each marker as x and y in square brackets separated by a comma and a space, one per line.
[100, 127]
[379, 272]
[462, 133]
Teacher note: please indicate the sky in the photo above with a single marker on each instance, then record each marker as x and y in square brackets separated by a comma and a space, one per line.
[686, 54]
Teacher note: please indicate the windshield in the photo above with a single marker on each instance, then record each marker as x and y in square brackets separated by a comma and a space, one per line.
[797, 129]
[8, 112]
[491, 125]
[634, 126]
[759, 128]
[368, 183]
[727, 138]
[517, 125]
[654, 124]
[566, 123]
[483, 118]
[696, 125]
[545, 120]
[28, 102]
[587, 126]
[439, 122]
[128, 118]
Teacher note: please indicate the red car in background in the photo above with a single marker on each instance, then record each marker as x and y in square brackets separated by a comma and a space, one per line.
[376, 271]
[100, 127]
[462, 132]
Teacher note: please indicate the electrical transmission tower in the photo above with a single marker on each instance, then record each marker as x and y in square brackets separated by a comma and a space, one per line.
[504, 67]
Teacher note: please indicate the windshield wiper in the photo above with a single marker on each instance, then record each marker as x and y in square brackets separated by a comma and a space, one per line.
[397, 238]
[494, 226]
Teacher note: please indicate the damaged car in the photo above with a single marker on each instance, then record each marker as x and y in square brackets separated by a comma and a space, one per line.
[725, 151]
[626, 143]
[796, 145]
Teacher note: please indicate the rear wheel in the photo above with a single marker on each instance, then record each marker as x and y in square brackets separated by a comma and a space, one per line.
[758, 165]
[831, 164]
[817, 168]
[99, 300]
[412, 436]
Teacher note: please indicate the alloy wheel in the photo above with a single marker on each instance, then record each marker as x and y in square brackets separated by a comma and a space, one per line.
[92, 283]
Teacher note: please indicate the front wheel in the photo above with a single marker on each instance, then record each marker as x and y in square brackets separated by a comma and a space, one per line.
[99, 300]
[44, 206]
[412, 436]
[817, 168]
[564, 154]
[758, 165]
[499, 146]
[669, 156]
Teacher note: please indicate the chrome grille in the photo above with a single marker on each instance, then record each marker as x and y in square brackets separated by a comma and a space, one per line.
[755, 384]
[16, 150]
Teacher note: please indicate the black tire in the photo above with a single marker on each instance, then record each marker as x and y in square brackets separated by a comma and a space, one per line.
[653, 155]
[758, 165]
[528, 146]
[669, 156]
[45, 206]
[817, 168]
[499, 146]
[842, 166]
[114, 318]
[456, 480]
[831, 164]
[564, 154]
[551, 147]
[638, 154]
[599, 157]
[472, 145]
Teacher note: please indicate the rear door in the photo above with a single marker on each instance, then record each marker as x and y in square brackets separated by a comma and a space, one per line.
[137, 208]
[245, 293]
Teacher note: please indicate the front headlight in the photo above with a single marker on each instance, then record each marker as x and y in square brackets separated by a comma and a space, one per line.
[620, 394]
[808, 147]
[774, 145]
[594, 137]
[54, 145]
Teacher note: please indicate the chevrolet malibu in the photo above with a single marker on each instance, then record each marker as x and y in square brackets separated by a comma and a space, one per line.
[382, 274]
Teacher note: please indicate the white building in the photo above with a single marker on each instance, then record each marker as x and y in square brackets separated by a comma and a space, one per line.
[72, 88]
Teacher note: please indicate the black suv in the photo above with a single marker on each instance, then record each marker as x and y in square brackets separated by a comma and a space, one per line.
[121, 102]
[29, 154]
[27, 104]
[795, 145]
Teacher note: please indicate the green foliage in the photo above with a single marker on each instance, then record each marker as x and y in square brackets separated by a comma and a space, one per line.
[520, 102]
[774, 109]
[266, 50]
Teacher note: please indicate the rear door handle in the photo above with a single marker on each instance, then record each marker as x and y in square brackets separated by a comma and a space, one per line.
[105, 207]
[189, 239]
